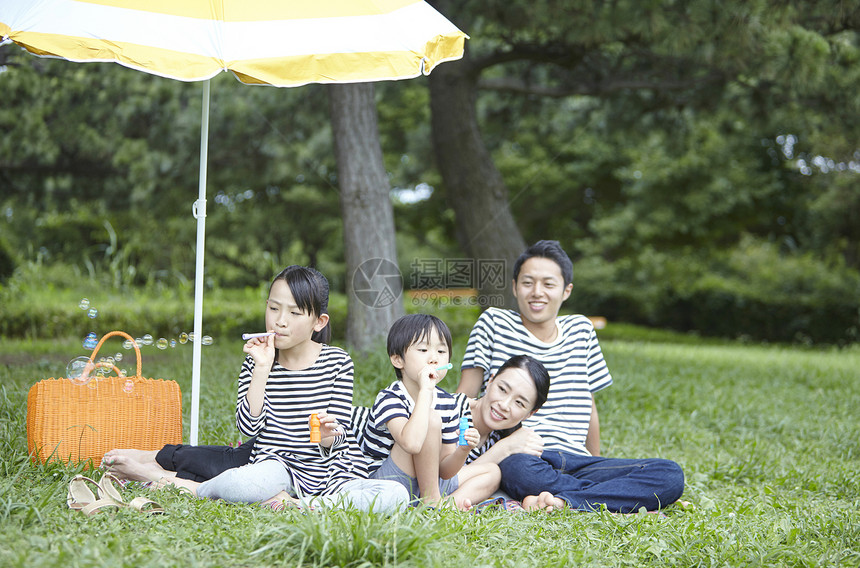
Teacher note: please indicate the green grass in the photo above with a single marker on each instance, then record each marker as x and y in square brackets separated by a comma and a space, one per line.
[768, 436]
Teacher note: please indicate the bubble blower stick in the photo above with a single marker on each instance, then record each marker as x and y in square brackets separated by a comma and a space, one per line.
[315, 429]
[247, 336]
[464, 425]
[445, 367]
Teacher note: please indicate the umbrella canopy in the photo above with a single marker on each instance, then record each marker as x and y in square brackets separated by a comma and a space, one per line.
[285, 43]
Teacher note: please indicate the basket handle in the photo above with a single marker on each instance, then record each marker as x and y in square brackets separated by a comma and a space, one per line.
[123, 334]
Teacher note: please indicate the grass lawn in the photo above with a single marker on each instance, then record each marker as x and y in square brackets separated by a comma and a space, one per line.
[768, 436]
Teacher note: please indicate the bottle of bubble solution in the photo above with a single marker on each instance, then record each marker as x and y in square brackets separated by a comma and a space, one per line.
[464, 425]
[315, 429]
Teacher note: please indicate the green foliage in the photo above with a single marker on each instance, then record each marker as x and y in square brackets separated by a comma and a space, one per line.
[639, 134]
[752, 291]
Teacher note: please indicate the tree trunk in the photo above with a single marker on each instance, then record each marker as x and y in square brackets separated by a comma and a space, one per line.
[373, 280]
[475, 190]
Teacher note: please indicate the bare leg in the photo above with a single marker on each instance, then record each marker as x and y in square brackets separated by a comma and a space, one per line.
[136, 465]
[281, 500]
[141, 456]
[426, 462]
[187, 484]
[477, 482]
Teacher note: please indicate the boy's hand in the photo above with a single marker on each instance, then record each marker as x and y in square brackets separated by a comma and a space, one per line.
[473, 438]
[429, 376]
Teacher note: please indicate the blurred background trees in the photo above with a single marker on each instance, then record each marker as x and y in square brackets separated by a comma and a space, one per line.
[699, 161]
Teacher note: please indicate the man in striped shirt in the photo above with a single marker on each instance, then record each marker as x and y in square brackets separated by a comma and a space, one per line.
[570, 472]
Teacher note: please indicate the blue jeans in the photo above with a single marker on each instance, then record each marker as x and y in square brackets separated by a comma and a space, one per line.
[587, 482]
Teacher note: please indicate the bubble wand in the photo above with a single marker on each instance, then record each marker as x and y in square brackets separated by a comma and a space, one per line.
[247, 336]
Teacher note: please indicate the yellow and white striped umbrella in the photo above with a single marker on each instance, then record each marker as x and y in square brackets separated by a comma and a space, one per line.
[285, 43]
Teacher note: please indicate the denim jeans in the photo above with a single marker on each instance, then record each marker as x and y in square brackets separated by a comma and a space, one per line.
[587, 482]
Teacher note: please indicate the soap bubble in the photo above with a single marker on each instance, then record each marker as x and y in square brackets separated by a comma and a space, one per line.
[128, 386]
[123, 373]
[84, 304]
[172, 343]
[191, 337]
[91, 340]
[110, 361]
[127, 344]
[92, 313]
[183, 338]
[78, 370]
[207, 340]
[117, 357]
[161, 343]
[147, 339]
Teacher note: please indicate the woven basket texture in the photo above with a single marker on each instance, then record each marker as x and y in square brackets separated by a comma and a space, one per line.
[79, 422]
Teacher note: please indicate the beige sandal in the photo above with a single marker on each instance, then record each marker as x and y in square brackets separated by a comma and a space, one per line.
[81, 498]
[147, 506]
[100, 505]
[80, 495]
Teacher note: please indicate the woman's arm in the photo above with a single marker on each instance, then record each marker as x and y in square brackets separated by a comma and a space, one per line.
[522, 441]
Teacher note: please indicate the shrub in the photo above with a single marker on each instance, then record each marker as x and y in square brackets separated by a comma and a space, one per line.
[752, 291]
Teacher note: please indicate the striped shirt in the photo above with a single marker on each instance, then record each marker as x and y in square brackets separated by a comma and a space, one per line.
[574, 361]
[282, 426]
[360, 414]
[395, 402]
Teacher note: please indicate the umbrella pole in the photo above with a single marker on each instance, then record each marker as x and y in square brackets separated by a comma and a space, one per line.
[199, 214]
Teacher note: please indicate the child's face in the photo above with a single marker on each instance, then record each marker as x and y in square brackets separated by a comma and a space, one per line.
[290, 323]
[510, 398]
[430, 350]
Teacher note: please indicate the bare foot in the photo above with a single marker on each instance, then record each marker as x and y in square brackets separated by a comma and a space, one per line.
[546, 501]
[141, 456]
[182, 484]
[463, 504]
[126, 468]
[281, 501]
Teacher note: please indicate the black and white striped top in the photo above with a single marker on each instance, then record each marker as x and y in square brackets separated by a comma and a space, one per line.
[282, 426]
[360, 415]
[393, 402]
[574, 361]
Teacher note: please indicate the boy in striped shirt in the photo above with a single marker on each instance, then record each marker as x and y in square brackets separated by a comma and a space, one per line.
[412, 431]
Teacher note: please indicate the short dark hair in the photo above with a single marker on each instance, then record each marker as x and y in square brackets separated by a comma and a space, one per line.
[310, 291]
[551, 250]
[535, 370]
[411, 329]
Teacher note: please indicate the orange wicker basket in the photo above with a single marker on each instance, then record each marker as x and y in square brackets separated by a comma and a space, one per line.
[74, 423]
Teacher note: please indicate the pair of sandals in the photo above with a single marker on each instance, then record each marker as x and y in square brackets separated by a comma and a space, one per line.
[106, 496]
